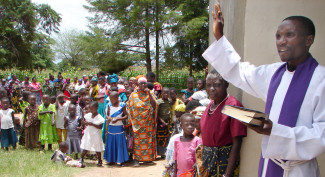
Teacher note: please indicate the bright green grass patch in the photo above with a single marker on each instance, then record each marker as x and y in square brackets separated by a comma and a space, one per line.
[22, 162]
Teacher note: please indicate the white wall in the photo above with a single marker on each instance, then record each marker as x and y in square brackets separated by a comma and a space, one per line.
[250, 25]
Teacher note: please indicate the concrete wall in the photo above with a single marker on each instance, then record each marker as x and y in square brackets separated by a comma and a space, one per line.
[250, 25]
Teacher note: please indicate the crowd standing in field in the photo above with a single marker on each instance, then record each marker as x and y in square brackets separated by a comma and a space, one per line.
[128, 120]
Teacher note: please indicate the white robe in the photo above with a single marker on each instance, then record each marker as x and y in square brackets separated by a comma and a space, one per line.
[305, 141]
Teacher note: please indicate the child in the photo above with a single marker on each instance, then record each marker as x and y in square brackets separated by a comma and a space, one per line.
[92, 141]
[46, 113]
[187, 93]
[184, 148]
[61, 112]
[59, 156]
[31, 124]
[53, 99]
[23, 102]
[73, 100]
[164, 122]
[8, 133]
[200, 93]
[173, 103]
[73, 124]
[116, 150]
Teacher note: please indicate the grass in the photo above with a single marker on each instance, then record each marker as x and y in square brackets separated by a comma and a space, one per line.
[23, 162]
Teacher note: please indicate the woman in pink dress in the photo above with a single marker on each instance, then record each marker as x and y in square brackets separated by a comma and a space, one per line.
[36, 89]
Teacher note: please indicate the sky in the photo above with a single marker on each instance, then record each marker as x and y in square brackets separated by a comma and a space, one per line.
[72, 13]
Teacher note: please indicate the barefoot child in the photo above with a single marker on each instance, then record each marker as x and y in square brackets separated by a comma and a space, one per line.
[92, 141]
[8, 133]
[116, 149]
[60, 156]
[184, 148]
[164, 122]
[61, 112]
[46, 113]
[73, 124]
[31, 124]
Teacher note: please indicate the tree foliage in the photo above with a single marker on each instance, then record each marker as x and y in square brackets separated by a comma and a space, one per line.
[21, 27]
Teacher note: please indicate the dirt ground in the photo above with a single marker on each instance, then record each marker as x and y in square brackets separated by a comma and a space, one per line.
[145, 170]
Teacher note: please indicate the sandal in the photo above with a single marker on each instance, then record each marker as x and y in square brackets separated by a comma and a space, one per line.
[100, 163]
[136, 163]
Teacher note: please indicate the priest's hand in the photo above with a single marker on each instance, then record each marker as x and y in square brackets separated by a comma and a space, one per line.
[265, 129]
[217, 21]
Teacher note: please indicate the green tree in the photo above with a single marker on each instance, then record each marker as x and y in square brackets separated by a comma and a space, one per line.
[69, 49]
[20, 26]
[192, 32]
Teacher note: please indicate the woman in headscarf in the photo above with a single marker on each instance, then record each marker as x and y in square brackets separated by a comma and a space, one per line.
[36, 89]
[93, 89]
[142, 108]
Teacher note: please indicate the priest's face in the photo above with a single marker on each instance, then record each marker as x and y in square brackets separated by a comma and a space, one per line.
[292, 42]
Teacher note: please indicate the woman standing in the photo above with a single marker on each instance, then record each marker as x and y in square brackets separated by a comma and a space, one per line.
[68, 89]
[36, 89]
[25, 86]
[142, 115]
[13, 87]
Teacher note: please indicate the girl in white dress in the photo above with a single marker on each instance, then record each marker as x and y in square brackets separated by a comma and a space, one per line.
[92, 140]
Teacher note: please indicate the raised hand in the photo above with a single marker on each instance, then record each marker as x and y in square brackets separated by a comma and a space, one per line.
[217, 21]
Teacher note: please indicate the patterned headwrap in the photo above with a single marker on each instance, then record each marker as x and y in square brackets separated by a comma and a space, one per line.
[180, 108]
[139, 77]
[113, 78]
[94, 79]
[142, 79]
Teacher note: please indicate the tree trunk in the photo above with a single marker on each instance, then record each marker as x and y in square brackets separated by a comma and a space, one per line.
[157, 42]
[147, 33]
[191, 58]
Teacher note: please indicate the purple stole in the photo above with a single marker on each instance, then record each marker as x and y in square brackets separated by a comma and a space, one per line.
[291, 104]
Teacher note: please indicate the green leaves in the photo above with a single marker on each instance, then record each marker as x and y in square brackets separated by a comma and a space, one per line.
[20, 27]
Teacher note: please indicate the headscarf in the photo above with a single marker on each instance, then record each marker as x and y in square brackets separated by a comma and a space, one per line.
[139, 76]
[180, 108]
[142, 79]
[113, 78]
[94, 79]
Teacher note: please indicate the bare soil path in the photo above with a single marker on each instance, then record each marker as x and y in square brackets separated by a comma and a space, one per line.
[145, 170]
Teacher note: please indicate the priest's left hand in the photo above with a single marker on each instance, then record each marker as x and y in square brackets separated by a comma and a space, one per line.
[265, 129]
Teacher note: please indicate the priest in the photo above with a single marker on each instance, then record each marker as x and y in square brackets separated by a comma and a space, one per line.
[294, 91]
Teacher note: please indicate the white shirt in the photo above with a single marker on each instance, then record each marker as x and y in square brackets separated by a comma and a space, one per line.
[6, 119]
[305, 141]
[61, 112]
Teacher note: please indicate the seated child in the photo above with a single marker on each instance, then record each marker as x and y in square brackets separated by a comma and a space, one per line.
[184, 148]
[60, 157]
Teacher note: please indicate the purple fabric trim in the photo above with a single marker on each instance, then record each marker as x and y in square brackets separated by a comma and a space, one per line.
[291, 104]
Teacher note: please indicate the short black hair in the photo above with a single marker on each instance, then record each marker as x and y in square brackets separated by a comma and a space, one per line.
[93, 103]
[189, 78]
[173, 89]
[101, 73]
[27, 77]
[203, 81]
[63, 145]
[214, 73]
[150, 85]
[186, 115]
[102, 78]
[306, 23]
[151, 75]
[113, 89]
[192, 105]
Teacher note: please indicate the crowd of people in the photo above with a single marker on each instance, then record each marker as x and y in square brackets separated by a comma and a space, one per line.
[138, 119]
[133, 119]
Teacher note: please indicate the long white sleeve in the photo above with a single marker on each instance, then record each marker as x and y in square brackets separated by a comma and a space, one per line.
[253, 80]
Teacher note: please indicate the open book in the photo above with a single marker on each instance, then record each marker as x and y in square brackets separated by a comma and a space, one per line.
[245, 115]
